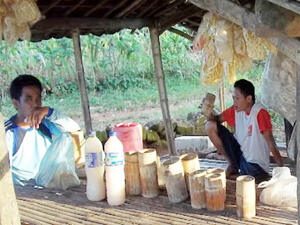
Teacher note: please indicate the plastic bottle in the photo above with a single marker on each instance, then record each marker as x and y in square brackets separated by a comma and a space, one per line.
[94, 168]
[114, 165]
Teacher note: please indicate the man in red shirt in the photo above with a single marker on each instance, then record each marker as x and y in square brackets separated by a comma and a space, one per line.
[248, 150]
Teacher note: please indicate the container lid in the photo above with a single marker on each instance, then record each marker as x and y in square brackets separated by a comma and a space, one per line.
[91, 133]
[112, 133]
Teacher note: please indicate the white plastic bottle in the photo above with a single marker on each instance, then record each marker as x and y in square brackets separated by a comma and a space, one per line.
[115, 175]
[94, 168]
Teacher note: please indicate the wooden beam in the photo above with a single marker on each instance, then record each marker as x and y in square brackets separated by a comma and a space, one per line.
[72, 9]
[121, 3]
[9, 212]
[181, 33]
[248, 20]
[81, 81]
[140, 5]
[288, 4]
[128, 8]
[50, 6]
[96, 7]
[154, 36]
[177, 18]
[69, 24]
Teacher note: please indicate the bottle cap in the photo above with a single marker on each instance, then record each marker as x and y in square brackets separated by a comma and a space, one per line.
[112, 133]
[91, 133]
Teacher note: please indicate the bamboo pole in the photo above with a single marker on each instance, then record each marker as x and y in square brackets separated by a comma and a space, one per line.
[9, 212]
[154, 35]
[81, 81]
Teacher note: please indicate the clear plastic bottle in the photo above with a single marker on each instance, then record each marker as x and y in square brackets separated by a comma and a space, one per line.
[114, 165]
[94, 168]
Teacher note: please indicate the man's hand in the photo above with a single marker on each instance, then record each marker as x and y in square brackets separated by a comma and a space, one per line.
[271, 143]
[36, 116]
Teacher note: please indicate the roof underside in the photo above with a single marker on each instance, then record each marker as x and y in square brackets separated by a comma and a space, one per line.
[60, 17]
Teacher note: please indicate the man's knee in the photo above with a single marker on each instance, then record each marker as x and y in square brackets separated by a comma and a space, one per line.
[210, 127]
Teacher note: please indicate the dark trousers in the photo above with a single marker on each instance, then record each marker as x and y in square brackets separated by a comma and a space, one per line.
[233, 151]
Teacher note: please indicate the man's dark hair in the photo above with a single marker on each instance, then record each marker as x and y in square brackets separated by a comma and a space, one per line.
[21, 81]
[246, 88]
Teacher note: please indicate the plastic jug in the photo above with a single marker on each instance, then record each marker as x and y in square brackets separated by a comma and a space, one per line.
[114, 165]
[94, 168]
[131, 136]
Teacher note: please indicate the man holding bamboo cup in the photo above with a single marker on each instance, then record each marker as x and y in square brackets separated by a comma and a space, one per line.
[248, 150]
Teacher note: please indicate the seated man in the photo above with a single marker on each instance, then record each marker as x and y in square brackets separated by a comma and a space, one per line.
[248, 151]
[37, 138]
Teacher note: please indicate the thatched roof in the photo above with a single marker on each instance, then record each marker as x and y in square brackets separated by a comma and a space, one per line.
[60, 17]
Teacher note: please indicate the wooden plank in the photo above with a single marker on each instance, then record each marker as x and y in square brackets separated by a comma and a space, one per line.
[243, 17]
[288, 4]
[9, 212]
[298, 139]
[81, 81]
[69, 24]
[154, 35]
[181, 33]
[147, 9]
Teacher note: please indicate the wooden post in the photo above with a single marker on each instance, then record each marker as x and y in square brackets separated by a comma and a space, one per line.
[81, 81]
[9, 212]
[298, 139]
[222, 95]
[154, 35]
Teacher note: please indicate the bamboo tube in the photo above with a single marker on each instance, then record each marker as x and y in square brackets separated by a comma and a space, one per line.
[190, 163]
[208, 104]
[214, 192]
[78, 142]
[197, 189]
[223, 174]
[132, 173]
[148, 173]
[175, 182]
[160, 173]
[245, 196]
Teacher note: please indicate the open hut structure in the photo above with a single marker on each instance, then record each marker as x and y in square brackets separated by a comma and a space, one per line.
[69, 18]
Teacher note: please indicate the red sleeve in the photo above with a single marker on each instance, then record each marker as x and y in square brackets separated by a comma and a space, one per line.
[229, 116]
[264, 120]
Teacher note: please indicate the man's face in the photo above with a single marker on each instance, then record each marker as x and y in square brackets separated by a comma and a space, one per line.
[29, 100]
[240, 102]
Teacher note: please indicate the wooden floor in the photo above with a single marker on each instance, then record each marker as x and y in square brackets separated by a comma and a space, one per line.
[48, 206]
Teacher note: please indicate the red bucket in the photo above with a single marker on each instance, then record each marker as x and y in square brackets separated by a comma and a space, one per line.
[130, 134]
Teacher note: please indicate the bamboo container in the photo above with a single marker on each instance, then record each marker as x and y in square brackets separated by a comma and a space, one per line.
[190, 163]
[214, 192]
[245, 196]
[223, 175]
[174, 178]
[132, 174]
[208, 104]
[160, 173]
[197, 189]
[78, 142]
[148, 173]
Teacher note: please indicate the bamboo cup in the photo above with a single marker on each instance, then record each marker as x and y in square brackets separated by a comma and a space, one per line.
[197, 189]
[190, 163]
[148, 173]
[214, 192]
[174, 178]
[132, 173]
[245, 196]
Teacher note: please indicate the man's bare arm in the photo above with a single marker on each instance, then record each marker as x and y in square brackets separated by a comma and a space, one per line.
[271, 143]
